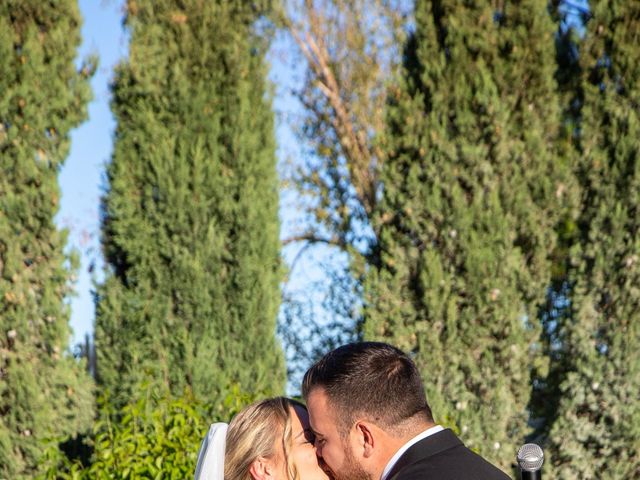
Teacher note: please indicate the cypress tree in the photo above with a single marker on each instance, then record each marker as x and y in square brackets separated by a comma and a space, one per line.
[44, 391]
[596, 432]
[472, 192]
[190, 228]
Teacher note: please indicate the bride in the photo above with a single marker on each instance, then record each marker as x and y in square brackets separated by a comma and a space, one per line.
[269, 440]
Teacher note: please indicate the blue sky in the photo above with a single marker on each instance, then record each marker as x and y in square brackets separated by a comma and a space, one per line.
[82, 177]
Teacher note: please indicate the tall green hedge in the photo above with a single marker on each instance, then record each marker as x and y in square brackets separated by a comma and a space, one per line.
[595, 431]
[44, 391]
[473, 188]
[190, 229]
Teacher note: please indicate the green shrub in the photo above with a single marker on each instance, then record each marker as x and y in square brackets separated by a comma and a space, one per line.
[156, 436]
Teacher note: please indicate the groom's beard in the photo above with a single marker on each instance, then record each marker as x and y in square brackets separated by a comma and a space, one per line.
[351, 469]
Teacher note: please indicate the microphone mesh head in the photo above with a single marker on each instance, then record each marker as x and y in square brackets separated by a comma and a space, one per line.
[530, 457]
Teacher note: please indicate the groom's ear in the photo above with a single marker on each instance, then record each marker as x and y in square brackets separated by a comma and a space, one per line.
[262, 469]
[366, 438]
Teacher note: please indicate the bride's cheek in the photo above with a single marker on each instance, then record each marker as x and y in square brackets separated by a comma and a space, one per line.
[313, 457]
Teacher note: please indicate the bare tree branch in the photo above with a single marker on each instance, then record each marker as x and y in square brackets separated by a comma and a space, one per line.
[344, 94]
[313, 238]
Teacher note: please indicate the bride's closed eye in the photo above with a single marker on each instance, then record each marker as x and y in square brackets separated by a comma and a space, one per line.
[309, 437]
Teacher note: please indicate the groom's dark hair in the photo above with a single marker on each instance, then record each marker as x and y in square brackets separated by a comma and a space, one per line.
[370, 379]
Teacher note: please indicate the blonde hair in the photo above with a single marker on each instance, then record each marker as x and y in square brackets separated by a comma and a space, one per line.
[255, 432]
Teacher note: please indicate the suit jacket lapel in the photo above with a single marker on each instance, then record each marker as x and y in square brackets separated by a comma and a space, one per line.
[425, 448]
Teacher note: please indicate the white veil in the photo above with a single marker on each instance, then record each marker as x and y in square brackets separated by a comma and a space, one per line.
[211, 455]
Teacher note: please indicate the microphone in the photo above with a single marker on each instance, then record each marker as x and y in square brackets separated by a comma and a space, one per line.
[530, 460]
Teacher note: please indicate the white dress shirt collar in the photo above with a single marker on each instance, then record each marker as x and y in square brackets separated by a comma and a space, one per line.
[406, 446]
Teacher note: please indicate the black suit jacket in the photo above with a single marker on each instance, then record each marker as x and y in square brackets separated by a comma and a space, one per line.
[442, 456]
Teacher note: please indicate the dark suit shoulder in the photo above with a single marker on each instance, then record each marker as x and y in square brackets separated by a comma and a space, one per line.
[444, 457]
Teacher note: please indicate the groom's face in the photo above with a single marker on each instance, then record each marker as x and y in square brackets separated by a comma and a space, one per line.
[334, 451]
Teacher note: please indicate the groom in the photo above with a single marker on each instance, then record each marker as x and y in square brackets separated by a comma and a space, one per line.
[371, 420]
